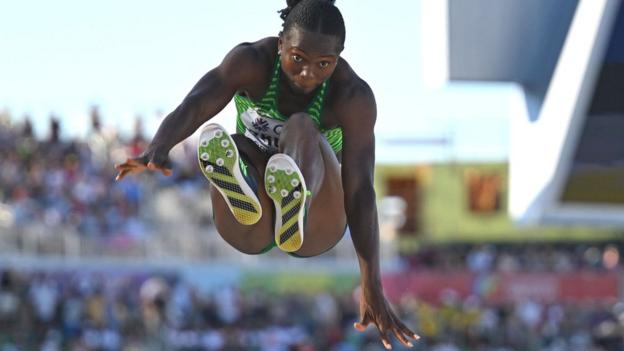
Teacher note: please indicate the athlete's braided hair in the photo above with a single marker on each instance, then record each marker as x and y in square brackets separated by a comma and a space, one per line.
[320, 16]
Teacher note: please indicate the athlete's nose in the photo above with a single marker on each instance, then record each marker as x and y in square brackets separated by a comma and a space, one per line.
[306, 73]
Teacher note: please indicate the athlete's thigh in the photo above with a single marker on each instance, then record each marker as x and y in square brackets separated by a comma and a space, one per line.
[326, 222]
[253, 238]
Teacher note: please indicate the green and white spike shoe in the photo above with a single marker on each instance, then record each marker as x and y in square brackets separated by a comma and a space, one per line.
[285, 185]
[220, 163]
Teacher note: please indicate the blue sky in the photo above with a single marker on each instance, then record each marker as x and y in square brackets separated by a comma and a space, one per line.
[142, 57]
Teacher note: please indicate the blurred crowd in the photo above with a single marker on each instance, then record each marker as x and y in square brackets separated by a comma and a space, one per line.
[58, 185]
[160, 311]
[559, 257]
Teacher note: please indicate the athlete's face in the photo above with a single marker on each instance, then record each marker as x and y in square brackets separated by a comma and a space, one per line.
[308, 58]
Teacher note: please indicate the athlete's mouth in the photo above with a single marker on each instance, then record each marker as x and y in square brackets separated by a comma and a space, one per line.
[305, 88]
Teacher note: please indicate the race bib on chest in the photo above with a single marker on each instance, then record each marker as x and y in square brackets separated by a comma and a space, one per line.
[263, 130]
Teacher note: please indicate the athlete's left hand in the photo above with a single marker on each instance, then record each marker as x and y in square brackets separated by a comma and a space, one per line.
[374, 308]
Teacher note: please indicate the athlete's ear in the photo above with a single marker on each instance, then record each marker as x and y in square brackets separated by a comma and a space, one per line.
[279, 44]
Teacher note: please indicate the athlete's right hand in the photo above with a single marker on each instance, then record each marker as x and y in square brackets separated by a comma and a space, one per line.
[152, 160]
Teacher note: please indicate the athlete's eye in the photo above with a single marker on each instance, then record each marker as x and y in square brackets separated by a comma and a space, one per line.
[297, 58]
[323, 64]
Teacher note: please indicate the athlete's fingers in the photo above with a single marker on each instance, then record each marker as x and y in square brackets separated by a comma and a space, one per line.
[165, 171]
[401, 337]
[363, 324]
[405, 330]
[159, 160]
[129, 170]
[385, 341]
[123, 166]
[124, 170]
[382, 327]
[121, 174]
[130, 163]
[155, 166]
[130, 166]
[158, 164]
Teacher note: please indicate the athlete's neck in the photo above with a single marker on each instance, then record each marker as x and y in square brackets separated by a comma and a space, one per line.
[289, 100]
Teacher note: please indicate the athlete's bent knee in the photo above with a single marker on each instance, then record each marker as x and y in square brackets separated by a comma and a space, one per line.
[300, 127]
[300, 121]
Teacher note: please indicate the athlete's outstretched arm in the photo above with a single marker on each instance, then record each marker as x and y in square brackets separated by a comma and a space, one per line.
[207, 98]
[358, 162]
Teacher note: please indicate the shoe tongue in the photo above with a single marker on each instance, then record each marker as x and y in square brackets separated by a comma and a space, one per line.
[243, 166]
[248, 178]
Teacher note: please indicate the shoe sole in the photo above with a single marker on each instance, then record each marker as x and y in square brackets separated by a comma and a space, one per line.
[219, 162]
[285, 185]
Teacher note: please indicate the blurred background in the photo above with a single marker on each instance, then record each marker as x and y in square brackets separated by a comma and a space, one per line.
[499, 177]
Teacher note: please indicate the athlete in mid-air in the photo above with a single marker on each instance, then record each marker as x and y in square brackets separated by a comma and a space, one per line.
[303, 157]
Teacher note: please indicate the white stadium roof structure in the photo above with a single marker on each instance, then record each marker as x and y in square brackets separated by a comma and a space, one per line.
[567, 134]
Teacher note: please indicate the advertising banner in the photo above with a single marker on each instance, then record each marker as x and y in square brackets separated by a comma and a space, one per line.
[430, 286]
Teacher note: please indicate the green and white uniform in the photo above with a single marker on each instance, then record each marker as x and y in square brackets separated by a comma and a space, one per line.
[262, 122]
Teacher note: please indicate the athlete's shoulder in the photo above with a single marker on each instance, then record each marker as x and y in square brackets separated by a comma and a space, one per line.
[259, 52]
[266, 46]
[249, 62]
[350, 88]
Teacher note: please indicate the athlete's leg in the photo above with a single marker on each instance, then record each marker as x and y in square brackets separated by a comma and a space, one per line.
[253, 238]
[326, 219]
